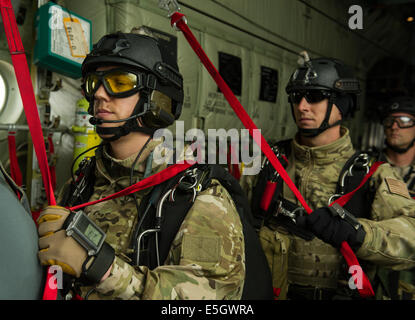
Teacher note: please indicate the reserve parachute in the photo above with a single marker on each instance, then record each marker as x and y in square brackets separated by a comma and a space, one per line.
[21, 275]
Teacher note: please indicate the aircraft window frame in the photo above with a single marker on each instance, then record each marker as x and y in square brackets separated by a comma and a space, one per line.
[3, 92]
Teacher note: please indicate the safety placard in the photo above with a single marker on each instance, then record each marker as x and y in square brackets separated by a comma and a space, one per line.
[68, 34]
[76, 37]
[63, 40]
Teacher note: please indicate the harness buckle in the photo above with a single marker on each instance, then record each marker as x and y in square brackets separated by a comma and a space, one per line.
[290, 214]
[191, 181]
[82, 177]
[361, 161]
[333, 198]
[364, 159]
[337, 210]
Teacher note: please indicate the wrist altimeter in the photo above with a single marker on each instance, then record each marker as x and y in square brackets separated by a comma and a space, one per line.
[100, 254]
[86, 233]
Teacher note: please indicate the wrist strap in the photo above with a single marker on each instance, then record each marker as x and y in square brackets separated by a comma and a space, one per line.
[102, 262]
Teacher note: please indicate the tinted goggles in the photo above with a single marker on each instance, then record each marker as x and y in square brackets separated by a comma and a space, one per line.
[117, 82]
[402, 121]
[311, 96]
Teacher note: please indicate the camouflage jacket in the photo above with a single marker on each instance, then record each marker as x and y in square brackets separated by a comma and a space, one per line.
[390, 230]
[407, 174]
[206, 259]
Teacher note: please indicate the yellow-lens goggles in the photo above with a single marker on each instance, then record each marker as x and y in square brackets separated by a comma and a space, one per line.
[117, 82]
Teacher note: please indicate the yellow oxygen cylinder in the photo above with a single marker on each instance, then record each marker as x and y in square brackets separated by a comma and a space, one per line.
[84, 133]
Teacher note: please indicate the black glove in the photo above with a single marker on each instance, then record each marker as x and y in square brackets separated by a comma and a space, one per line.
[327, 225]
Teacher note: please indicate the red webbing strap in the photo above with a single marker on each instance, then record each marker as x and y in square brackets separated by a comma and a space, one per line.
[177, 20]
[21, 70]
[15, 172]
[148, 182]
[233, 167]
[26, 91]
[268, 194]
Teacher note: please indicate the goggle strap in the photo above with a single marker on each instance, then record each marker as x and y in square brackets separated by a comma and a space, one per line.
[151, 82]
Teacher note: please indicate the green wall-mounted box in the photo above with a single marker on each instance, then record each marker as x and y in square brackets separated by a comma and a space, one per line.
[63, 39]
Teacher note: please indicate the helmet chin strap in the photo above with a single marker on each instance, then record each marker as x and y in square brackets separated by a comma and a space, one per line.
[400, 150]
[324, 125]
[130, 125]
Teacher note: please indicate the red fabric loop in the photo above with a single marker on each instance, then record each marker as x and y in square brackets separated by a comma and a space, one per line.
[29, 103]
[15, 172]
[26, 91]
[267, 195]
[233, 167]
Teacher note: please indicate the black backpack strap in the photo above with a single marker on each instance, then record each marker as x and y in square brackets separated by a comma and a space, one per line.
[268, 175]
[80, 189]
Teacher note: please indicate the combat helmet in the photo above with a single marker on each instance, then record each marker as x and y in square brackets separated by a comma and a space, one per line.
[404, 104]
[160, 83]
[332, 77]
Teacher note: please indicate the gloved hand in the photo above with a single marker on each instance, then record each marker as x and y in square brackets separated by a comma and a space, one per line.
[331, 228]
[56, 248]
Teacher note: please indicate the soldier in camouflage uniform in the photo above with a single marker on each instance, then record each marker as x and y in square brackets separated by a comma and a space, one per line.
[304, 256]
[398, 119]
[132, 92]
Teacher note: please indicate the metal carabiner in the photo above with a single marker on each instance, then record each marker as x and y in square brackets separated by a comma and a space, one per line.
[333, 198]
[365, 158]
[171, 6]
[293, 214]
[290, 214]
[190, 185]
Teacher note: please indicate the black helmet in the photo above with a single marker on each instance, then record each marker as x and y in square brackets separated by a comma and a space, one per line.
[404, 104]
[161, 81]
[326, 74]
[330, 75]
